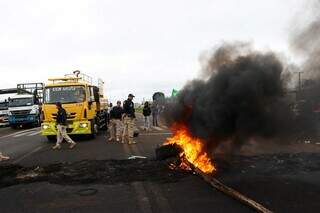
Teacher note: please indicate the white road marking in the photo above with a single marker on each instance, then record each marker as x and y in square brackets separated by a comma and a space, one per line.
[28, 154]
[20, 132]
[30, 133]
[35, 133]
[162, 202]
[19, 135]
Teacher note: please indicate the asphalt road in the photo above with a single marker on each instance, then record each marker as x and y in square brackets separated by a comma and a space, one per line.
[189, 193]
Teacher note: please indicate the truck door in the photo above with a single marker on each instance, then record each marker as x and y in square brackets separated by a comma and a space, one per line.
[92, 105]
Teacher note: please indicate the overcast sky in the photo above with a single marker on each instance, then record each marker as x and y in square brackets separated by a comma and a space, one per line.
[139, 46]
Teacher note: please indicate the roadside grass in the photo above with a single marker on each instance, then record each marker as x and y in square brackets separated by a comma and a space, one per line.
[139, 109]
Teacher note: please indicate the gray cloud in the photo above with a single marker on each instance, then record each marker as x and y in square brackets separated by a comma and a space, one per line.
[137, 44]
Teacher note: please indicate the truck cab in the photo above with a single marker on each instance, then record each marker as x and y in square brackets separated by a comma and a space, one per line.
[25, 106]
[82, 101]
[23, 110]
[4, 113]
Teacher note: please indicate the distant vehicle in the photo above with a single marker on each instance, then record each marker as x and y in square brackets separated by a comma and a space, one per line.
[25, 107]
[84, 102]
[4, 104]
[4, 113]
[159, 98]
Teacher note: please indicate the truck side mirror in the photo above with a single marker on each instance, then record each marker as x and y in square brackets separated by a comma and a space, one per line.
[91, 100]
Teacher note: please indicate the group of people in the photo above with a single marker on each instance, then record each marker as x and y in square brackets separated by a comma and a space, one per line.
[148, 111]
[122, 121]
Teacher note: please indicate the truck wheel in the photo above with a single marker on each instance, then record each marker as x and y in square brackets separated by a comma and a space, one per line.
[51, 138]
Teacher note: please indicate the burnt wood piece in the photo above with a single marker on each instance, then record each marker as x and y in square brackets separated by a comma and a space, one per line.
[229, 191]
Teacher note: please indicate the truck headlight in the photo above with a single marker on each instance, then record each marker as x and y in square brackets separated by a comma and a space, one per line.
[33, 111]
[83, 125]
[45, 126]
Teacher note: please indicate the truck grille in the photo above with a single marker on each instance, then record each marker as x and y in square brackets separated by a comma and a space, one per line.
[21, 112]
[69, 130]
[71, 115]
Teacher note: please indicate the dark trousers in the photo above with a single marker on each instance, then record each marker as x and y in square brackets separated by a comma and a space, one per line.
[155, 119]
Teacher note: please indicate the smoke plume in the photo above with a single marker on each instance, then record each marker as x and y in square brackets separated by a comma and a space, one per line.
[242, 94]
[242, 97]
[306, 42]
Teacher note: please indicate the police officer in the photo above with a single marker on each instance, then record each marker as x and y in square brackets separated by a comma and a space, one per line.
[115, 122]
[62, 128]
[128, 120]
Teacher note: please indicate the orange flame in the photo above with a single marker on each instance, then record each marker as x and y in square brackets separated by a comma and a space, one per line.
[193, 149]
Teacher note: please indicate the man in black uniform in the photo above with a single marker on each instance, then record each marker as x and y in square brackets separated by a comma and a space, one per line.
[62, 128]
[128, 120]
[115, 122]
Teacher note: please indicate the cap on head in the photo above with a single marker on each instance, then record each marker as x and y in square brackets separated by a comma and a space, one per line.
[130, 95]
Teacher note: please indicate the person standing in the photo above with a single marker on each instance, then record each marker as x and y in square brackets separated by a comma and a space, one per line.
[62, 128]
[115, 122]
[155, 113]
[146, 113]
[128, 120]
[108, 113]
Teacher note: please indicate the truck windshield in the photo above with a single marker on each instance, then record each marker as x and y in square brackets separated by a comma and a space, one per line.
[17, 102]
[3, 105]
[64, 94]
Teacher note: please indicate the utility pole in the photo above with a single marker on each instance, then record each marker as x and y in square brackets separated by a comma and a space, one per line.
[299, 74]
[298, 91]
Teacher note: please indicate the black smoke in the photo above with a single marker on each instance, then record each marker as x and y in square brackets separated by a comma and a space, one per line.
[245, 94]
[242, 97]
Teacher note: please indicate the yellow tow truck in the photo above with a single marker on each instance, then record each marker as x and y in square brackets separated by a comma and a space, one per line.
[84, 102]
